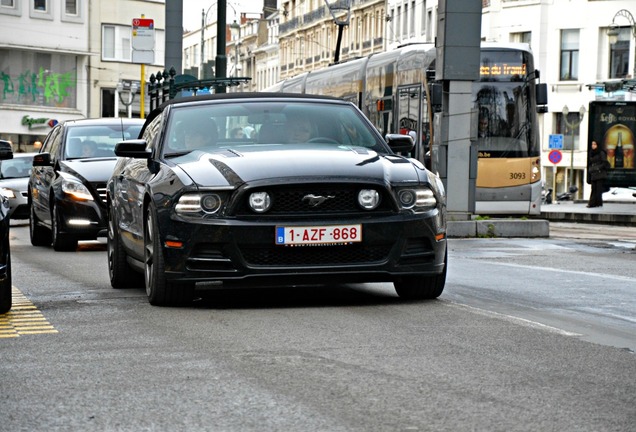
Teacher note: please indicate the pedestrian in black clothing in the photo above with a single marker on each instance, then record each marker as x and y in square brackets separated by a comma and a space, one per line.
[596, 174]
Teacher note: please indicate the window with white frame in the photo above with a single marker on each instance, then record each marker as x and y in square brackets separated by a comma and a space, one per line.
[619, 54]
[71, 7]
[521, 37]
[412, 20]
[40, 9]
[10, 7]
[116, 42]
[569, 55]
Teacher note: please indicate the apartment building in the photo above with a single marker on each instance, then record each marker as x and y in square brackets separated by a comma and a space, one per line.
[64, 59]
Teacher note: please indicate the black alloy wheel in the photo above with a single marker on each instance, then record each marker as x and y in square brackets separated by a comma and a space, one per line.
[160, 291]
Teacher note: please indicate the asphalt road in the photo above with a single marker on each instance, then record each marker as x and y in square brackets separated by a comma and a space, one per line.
[331, 358]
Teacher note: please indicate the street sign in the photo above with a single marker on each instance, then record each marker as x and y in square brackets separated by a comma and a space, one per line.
[556, 142]
[143, 40]
[555, 156]
[143, 34]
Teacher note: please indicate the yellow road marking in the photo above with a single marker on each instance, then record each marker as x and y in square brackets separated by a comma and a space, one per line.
[24, 318]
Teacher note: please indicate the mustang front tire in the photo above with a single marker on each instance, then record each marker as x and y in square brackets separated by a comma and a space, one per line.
[422, 287]
[160, 291]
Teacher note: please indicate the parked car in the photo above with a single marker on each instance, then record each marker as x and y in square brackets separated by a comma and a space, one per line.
[14, 181]
[6, 153]
[67, 186]
[620, 194]
[314, 195]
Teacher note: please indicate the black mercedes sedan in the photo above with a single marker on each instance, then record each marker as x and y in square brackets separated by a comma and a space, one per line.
[312, 194]
[67, 185]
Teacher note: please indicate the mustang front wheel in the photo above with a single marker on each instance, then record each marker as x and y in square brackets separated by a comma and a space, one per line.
[160, 291]
[422, 287]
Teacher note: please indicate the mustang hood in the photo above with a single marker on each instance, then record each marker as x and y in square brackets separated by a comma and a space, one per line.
[92, 170]
[234, 168]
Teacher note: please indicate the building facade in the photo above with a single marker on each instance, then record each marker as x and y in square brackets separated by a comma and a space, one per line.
[63, 59]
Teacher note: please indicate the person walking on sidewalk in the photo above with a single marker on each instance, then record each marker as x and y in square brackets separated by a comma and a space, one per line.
[596, 174]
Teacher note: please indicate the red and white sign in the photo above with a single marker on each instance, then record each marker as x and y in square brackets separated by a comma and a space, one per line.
[143, 34]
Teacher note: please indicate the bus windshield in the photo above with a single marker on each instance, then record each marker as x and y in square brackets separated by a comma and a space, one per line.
[503, 127]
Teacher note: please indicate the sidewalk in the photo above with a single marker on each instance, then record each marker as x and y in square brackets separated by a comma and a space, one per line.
[621, 214]
[611, 213]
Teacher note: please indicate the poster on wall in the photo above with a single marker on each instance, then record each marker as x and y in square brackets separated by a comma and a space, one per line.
[612, 124]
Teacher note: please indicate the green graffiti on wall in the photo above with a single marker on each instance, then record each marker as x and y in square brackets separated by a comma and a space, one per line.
[52, 86]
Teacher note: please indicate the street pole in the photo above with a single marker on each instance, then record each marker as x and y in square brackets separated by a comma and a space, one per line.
[221, 59]
[202, 43]
[572, 127]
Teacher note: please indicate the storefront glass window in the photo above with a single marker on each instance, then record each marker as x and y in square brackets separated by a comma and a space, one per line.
[38, 79]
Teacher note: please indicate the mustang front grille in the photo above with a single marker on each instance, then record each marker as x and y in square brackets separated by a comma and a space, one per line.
[315, 255]
[321, 199]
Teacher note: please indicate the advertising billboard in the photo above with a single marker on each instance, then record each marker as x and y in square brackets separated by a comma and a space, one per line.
[612, 124]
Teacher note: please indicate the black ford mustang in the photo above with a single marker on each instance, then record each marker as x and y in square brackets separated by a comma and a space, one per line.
[310, 192]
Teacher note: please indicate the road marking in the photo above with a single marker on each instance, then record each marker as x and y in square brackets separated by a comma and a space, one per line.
[23, 318]
[515, 319]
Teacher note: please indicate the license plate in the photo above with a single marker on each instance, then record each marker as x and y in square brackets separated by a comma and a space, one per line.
[318, 235]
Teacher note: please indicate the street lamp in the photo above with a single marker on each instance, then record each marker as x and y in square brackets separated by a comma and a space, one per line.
[614, 30]
[204, 19]
[572, 127]
[235, 29]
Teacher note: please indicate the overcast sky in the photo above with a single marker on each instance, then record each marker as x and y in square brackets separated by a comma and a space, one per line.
[192, 10]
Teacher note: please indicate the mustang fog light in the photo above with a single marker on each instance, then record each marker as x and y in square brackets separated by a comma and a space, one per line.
[369, 199]
[211, 203]
[260, 202]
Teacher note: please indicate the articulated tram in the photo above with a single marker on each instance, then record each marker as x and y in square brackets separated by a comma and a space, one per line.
[397, 92]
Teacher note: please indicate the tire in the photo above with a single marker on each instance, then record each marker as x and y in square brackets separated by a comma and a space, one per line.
[161, 292]
[61, 242]
[5, 285]
[422, 287]
[40, 236]
[122, 275]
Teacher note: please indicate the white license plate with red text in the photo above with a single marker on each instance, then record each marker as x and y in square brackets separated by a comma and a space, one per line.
[317, 235]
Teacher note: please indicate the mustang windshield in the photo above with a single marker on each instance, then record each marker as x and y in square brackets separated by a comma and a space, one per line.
[249, 124]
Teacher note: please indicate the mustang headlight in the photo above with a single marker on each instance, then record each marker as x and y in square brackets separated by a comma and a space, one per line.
[76, 189]
[208, 203]
[418, 200]
[369, 199]
[260, 202]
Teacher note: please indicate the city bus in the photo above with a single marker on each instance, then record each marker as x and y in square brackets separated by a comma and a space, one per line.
[397, 91]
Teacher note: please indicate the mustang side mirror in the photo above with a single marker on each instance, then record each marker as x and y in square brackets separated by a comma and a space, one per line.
[400, 143]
